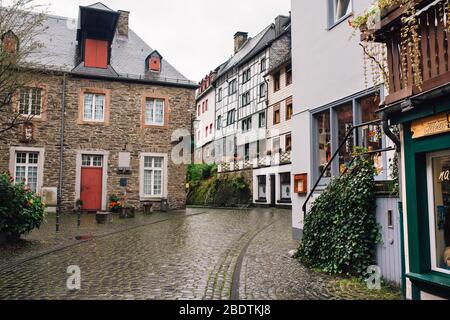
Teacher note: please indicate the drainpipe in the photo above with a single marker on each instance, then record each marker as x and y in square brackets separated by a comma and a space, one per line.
[397, 142]
[61, 153]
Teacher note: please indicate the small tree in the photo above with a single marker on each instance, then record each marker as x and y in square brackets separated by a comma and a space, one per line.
[20, 24]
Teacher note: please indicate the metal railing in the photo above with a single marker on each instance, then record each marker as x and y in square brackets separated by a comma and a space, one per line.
[336, 153]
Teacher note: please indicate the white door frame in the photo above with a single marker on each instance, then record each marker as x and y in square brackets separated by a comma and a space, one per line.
[105, 155]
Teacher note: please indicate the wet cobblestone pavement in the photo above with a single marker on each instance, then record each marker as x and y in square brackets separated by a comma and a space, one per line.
[197, 254]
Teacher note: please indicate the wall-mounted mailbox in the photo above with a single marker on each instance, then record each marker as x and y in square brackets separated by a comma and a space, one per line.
[123, 182]
[301, 183]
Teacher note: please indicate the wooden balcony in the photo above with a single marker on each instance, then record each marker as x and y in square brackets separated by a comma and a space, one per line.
[434, 44]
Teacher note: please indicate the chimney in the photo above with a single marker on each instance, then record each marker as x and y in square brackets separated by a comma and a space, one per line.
[122, 24]
[239, 39]
[280, 22]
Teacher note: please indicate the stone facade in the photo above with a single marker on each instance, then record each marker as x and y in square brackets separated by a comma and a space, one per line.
[123, 132]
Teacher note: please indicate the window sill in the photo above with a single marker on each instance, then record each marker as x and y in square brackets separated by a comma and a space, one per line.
[338, 22]
[431, 278]
[161, 126]
[262, 200]
[156, 199]
[285, 201]
[93, 123]
[32, 118]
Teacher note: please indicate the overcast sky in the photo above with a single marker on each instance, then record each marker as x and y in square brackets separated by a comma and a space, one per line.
[195, 36]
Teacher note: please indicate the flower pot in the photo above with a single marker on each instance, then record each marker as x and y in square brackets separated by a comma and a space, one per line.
[102, 217]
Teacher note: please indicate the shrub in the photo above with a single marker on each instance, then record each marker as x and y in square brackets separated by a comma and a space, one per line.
[340, 231]
[21, 210]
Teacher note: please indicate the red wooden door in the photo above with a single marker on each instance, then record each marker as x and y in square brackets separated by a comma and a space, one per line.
[91, 188]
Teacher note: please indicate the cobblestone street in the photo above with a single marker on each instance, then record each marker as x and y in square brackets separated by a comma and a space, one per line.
[197, 254]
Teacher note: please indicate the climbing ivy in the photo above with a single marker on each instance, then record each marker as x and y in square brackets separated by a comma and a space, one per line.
[340, 231]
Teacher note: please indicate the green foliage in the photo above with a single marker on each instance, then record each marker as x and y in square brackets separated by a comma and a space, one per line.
[21, 210]
[227, 191]
[115, 205]
[341, 232]
[198, 172]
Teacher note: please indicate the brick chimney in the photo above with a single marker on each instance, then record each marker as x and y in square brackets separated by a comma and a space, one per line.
[122, 24]
[280, 22]
[239, 39]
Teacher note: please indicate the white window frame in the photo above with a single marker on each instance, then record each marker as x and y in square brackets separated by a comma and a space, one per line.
[431, 208]
[153, 120]
[94, 107]
[333, 20]
[164, 176]
[40, 165]
[29, 104]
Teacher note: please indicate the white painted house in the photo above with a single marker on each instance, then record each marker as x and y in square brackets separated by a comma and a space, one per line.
[272, 175]
[205, 126]
[330, 97]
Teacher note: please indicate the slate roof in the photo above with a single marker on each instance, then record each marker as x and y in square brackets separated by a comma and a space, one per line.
[127, 54]
[250, 48]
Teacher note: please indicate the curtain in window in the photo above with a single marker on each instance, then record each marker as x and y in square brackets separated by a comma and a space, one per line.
[99, 107]
[159, 113]
[342, 8]
[88, 106]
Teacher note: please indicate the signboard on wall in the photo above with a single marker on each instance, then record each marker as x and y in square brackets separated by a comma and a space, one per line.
[431, 126]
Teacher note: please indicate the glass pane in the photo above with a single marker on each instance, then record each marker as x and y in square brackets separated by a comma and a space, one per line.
[21, 157]
[97, 161]
[158, 162]
[323, 141]
[86, 160]
[35, 101]
[148, 162]
[157, 182]
[159, 111]
[33, 158]
[149, 105]
[99, 107]
[24, 101]
[32, 178]
[372, 137]
[342, 8]
[20, 174]
[441, 181]
[147, 182]
[88, 101]
[345, 123]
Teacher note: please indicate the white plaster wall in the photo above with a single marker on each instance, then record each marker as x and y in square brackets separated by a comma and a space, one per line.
[327, 66]
[206, 118]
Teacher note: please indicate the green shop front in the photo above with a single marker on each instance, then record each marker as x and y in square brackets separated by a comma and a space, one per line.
[425, 174]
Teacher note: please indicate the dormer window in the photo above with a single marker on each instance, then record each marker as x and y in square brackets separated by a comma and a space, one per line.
[153, 62]
[96, 54]
[10, 42]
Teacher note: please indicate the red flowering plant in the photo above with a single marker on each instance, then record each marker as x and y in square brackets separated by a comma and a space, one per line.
[21, 210]
[114, 204]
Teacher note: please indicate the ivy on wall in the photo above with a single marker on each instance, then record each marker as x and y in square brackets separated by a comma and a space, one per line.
[207, 189]
[340, 231]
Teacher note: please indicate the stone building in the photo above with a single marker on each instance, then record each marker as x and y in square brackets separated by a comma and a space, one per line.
[104, 106]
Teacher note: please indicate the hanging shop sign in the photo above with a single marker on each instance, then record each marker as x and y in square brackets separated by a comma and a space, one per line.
[431, 126]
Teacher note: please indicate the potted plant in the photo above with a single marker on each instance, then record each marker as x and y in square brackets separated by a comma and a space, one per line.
[115, 206]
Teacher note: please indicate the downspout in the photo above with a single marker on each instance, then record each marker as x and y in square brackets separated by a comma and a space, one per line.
[387, 130]
[61, 153]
